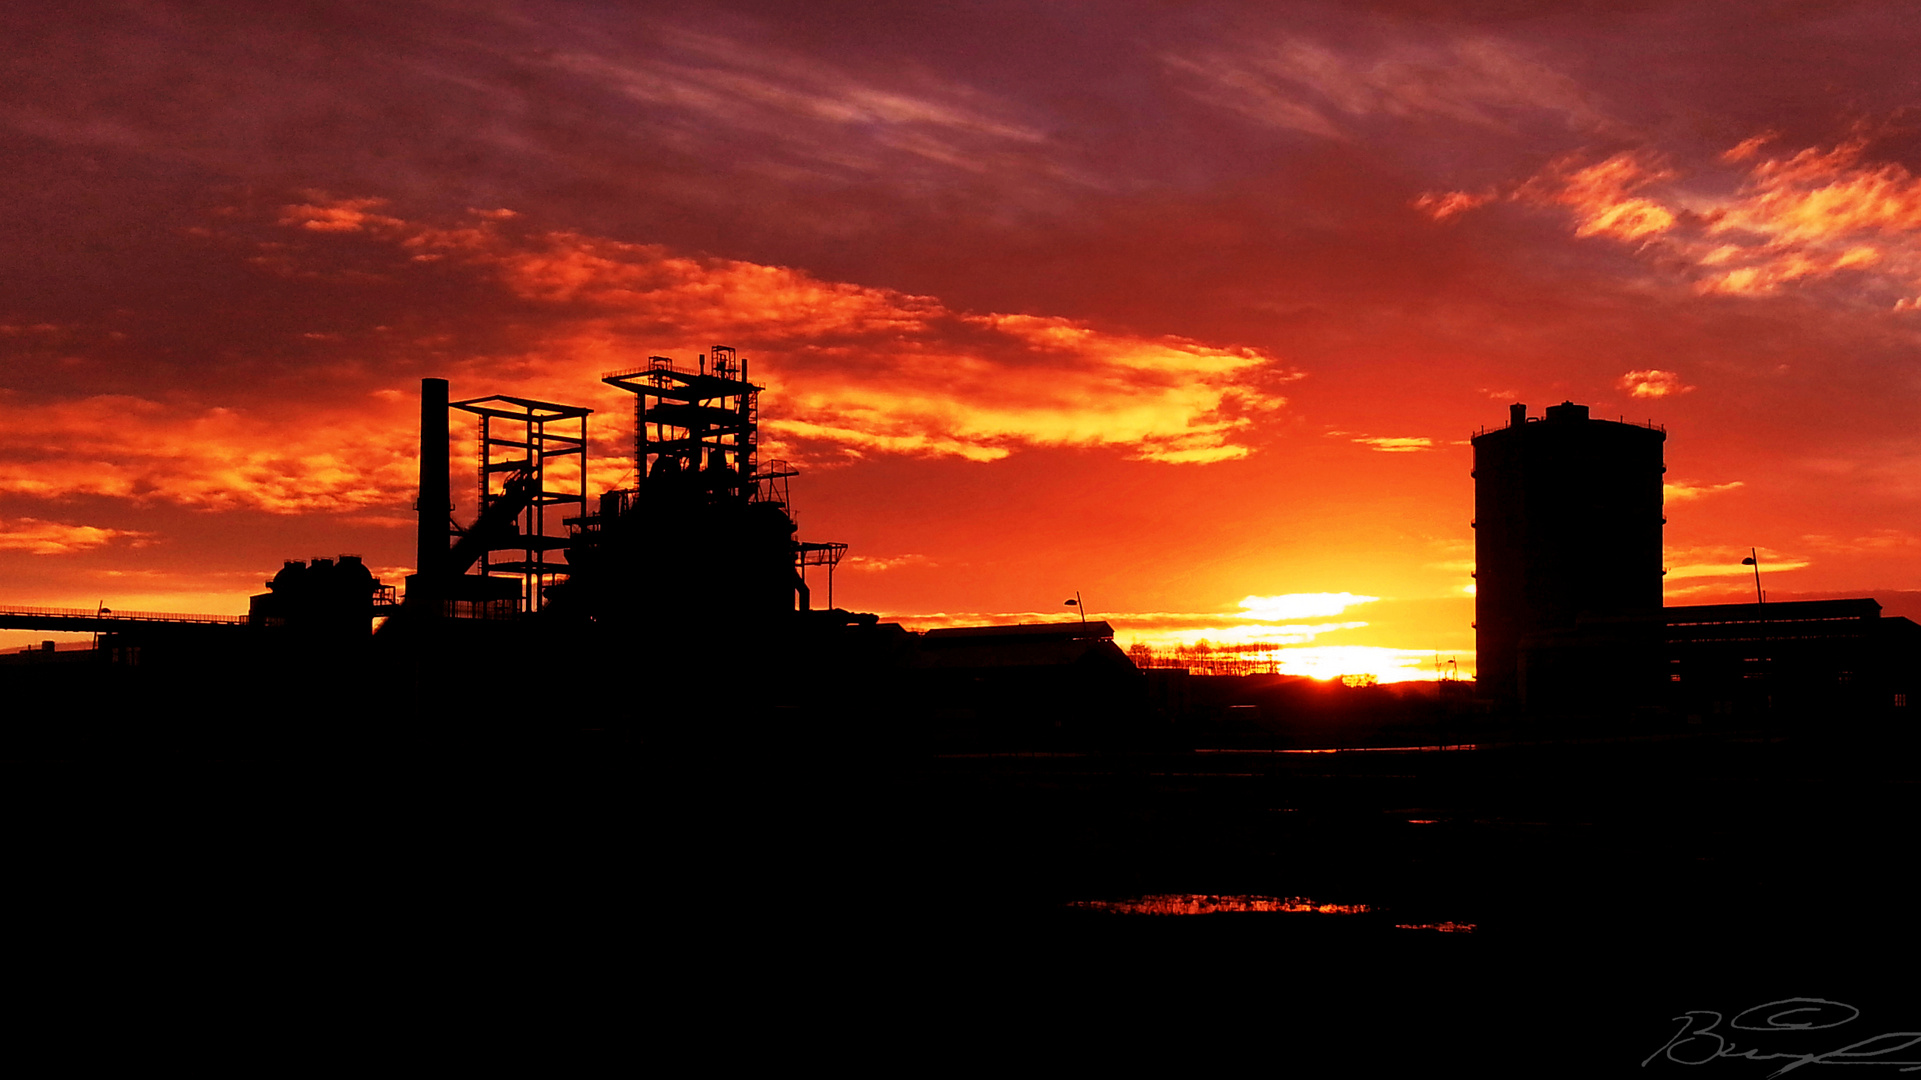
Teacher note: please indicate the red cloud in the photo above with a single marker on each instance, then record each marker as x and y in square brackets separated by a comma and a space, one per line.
[1652, 383]
[1801, 217]
[53, 538]
[851, 368]
[874, 369]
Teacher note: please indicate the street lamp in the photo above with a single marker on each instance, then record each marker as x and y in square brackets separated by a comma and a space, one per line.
[1754, 560]
[1078, 606]
[1767, 649]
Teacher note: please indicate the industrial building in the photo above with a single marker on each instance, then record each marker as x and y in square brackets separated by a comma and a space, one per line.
[1569, 617]
[1792, 657]
[1038, 684]
[1567, 539]
[682, 602]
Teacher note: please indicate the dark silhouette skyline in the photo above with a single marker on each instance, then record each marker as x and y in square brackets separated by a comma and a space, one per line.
[663, 692]
[1176, 308]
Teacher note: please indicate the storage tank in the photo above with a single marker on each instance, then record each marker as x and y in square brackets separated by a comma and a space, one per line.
[1567, 539]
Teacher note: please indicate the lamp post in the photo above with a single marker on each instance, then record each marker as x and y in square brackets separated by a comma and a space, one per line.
[1078, 606]
[1767, 649]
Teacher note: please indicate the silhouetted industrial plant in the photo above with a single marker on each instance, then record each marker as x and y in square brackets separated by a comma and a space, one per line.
[679, 601]
[684, 601]
[643, 686]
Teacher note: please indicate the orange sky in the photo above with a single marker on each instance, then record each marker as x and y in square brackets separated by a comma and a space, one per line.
[1186, 307]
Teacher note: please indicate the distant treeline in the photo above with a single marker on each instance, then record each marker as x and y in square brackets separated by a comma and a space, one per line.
[1204, 658]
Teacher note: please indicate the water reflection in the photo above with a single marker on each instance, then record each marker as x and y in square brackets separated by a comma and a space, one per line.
[1442, 927]
[1209, 904]
[1428, 749]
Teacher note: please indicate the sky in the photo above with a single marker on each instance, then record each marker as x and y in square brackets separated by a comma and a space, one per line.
[1188, 308]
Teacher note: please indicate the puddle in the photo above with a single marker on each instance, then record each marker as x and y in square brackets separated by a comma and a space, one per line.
[1428, 749]
[1209, 904]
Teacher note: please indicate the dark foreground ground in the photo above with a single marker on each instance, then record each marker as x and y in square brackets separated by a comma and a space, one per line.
[902, 911]
[1610, 887]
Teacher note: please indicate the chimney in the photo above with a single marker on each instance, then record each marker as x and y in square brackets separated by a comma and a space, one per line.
[1516, 415]
[435, 499]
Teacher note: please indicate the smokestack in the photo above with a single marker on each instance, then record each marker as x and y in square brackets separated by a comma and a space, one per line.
[435, 499]
[1516, 415]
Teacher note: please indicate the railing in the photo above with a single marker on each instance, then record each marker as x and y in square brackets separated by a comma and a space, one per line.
[111, 615]
[1650, 425]
[663, 364]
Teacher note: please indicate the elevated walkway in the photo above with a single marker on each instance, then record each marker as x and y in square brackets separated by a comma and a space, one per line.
[87, 620]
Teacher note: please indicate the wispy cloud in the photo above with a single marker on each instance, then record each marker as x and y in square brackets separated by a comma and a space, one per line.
[336, 215]
[1396, 444]
[852, 368]
[54, 538]
[803, 113]
[1711, 562]
[1390, 444]
[1299, 84]
[1653, 383]
[889, 372]
[1441, 205]
[210, 457]
[1685, 490]
[1880, 541]
[1605, 200]
[874, 564]
[1750, 223]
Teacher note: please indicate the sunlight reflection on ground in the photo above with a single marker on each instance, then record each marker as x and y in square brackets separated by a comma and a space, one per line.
[1208, 904]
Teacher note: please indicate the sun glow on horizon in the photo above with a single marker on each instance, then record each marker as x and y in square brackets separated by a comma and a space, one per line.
[1387, 665]
[1270, 634]
[1300, 605]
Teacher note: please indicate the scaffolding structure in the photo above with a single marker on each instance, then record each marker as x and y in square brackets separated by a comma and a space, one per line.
[828, 555]
[702, 424]
[513, 455]
[697, 441]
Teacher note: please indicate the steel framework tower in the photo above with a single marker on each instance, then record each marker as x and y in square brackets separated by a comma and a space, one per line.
[514, 456]
[694, 428]
[702, 502]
